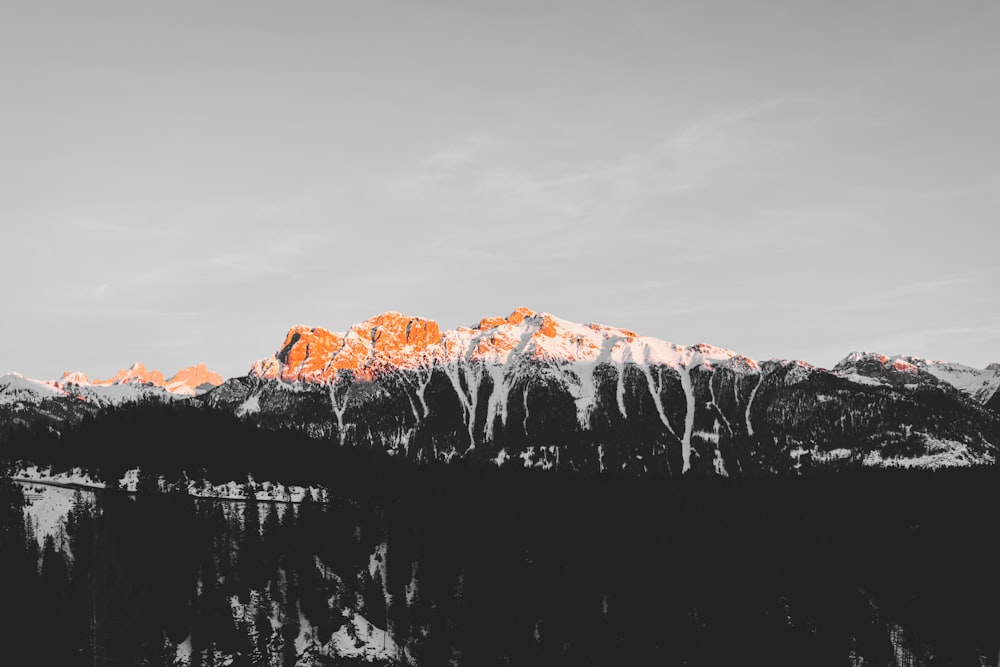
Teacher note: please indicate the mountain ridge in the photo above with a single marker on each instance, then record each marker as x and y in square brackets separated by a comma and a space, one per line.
[546, 392]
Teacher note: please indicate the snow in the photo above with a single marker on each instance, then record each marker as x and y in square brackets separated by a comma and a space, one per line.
[184, 651]
[375, 642]
[117, 394]
[542, 336]
[715, 404]
[497, 402]
[822, 456]
[620, 390]
[753, 393]
[263, 491]
[980, 384]
[467, 399]
[339, 406]
[251, 406]
[863, 379]
[584, 391]
[511, 351]
[544, 457]
[799, 371]
[15, 388]
[939, 454]
[47, 506]
[654, 391]
[76, 476]
[180, 389]
[688, 417]
[709, 436]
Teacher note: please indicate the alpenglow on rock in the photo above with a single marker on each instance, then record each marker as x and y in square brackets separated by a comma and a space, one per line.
[537, 390]
[531, 389]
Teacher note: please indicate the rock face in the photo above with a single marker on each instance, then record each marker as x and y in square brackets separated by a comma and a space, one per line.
[193, 380]
[317, 355]
[188, 381]
[66, 400]
[979, 384]
[533, 389]
[135, 374]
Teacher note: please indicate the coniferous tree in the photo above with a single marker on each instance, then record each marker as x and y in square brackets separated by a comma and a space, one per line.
[250, 560]
[55, 601]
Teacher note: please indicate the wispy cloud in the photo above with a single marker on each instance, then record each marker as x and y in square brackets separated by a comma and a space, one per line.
[925, 291]
[477, 174]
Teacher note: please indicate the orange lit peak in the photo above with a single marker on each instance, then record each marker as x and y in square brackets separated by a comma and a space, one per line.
[519, 315]
[186, 381]
[490, 323]
[193, 377]
[75, 377]
[393, 340]
[548, 327]
[317, 354]
[136, 373]
[901, 365]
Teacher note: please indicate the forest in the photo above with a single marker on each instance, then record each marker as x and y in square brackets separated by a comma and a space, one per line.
[469, 564]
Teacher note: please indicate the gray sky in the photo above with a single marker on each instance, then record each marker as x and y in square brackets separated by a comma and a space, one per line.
[182, 182]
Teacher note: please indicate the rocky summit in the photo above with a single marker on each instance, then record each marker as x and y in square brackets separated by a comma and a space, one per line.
[531, 389]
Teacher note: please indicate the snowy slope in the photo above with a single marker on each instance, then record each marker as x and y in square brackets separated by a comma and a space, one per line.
[17, 389]
[128, 385]
[981, 384]
[531, 386]
[875, 368]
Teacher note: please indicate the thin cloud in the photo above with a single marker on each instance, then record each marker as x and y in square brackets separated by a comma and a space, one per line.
[880, 298]
[475, 178]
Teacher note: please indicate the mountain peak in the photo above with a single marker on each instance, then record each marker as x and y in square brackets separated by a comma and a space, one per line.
[866, 362]
[393, 340]
[193, 380]
[317, 354]
[519, 315]
[136, 373]
[187, 381]
[76, 377]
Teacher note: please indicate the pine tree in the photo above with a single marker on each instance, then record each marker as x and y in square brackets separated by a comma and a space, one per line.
[250, 559]
[55, 598]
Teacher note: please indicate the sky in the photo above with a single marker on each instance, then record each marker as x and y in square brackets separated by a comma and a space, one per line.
[183, 182]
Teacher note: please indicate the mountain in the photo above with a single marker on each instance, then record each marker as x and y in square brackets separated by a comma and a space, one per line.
[546, 392]
[137, 381]
[68, 399]
[980, 384]
[534, 390]
[188, 381]
[193, 380]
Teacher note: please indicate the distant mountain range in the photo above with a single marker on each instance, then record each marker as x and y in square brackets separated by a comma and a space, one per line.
[535, 390]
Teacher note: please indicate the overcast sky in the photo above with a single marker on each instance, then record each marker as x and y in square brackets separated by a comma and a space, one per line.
[182, 182]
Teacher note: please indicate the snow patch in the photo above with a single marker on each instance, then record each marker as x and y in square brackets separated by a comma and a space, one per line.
[863, 379]
[940, 454]
[251, 406]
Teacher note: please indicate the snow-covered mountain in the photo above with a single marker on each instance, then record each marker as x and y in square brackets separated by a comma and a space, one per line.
[536, 390]
[189, 381]
[128, 385]
[980, 384]
[17, 389]
[554, 393]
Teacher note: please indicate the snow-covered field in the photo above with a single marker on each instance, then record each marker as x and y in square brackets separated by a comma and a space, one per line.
[49, 495]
